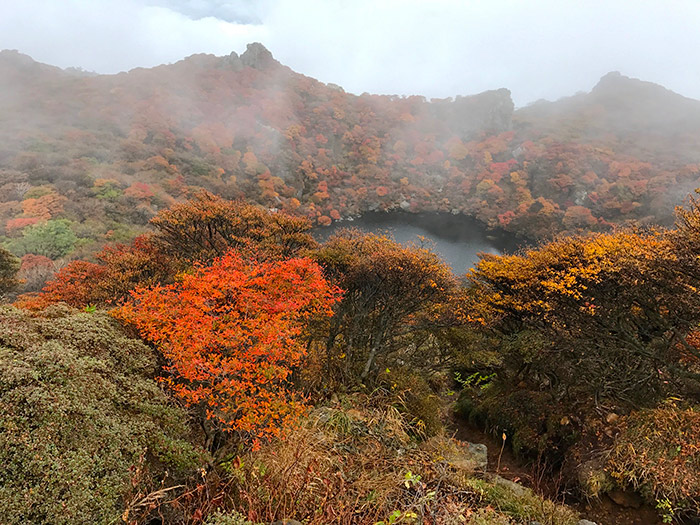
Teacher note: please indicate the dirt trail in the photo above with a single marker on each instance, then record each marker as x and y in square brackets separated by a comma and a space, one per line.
[603, 511]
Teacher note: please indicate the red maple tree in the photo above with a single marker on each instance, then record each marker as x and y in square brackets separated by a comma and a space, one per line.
[231, 333]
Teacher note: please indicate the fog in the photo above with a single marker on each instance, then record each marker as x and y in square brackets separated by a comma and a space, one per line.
[439, 48]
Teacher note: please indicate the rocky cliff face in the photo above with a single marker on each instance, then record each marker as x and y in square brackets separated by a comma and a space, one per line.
[488, 112]
[256, 56]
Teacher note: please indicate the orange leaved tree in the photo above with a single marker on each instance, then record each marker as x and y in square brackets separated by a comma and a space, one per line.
[231, 334]
[121, 268]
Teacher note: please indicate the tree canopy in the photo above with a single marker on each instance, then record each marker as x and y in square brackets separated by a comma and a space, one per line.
[386, 286]
[231, 334]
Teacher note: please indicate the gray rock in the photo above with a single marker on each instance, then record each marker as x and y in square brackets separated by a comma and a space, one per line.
[479, 454]
[460, 455]
[514, 487]
[586, 522]
[233, 62]
[257, 56]
[490, 111]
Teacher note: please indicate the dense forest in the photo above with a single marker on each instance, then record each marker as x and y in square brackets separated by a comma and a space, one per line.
[180, 349]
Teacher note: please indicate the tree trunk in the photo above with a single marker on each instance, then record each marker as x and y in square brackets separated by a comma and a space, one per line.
[370, 361]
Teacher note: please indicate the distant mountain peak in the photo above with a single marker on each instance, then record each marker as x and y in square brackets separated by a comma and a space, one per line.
[12, 55]
[616, 84]
[13, 60]
[258, 57]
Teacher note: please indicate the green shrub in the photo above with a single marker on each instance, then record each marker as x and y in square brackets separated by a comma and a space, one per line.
[9, 266]
[53, 239]
[531, 420]
[227, 518]
[82, 423]
[518, 503]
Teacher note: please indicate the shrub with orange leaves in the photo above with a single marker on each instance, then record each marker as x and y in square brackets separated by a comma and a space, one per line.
[15, 225]
[122, 267]
[75, 284]
[603, 313]
[194, 231]
[231, 335]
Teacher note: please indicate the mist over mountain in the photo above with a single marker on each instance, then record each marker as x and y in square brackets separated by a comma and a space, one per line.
[103, 153]
[647, 119]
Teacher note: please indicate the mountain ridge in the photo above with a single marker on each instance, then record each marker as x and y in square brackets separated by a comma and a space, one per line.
[258, 56]
[106, 152]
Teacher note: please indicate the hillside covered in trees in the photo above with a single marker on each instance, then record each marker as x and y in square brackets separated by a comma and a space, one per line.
[89, 159]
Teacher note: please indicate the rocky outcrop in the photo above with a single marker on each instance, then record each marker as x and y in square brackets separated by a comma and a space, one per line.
[258, 57]
[232, 61]
[489, 112]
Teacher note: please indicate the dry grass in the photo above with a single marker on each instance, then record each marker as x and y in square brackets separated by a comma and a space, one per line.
[658, 453]
[350, 465]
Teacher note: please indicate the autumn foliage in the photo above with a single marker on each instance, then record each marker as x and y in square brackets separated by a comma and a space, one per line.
[231, 334]
[283, 140]
[601, 314]
[121, 268]
[658, 454]
[389, 290]
[197, 230]
[208, 226]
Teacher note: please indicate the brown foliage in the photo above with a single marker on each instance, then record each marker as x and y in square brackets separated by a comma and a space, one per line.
[209, 226]
[389, 289]
[658, 453]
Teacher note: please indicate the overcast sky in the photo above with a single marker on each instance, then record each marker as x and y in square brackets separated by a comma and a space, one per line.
[437, 48]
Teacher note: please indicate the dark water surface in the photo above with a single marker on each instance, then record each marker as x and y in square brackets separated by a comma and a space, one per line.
[456, 238]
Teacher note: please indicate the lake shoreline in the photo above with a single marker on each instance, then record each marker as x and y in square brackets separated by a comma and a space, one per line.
[457, 238]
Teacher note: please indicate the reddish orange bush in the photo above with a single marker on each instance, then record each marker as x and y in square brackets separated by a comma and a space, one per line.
[231, 334]
[122, 268]
[75, 284]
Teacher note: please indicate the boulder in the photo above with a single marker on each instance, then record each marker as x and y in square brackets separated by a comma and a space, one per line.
[626, 498]
[516, 488]
[479, 454]
[460, 455]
